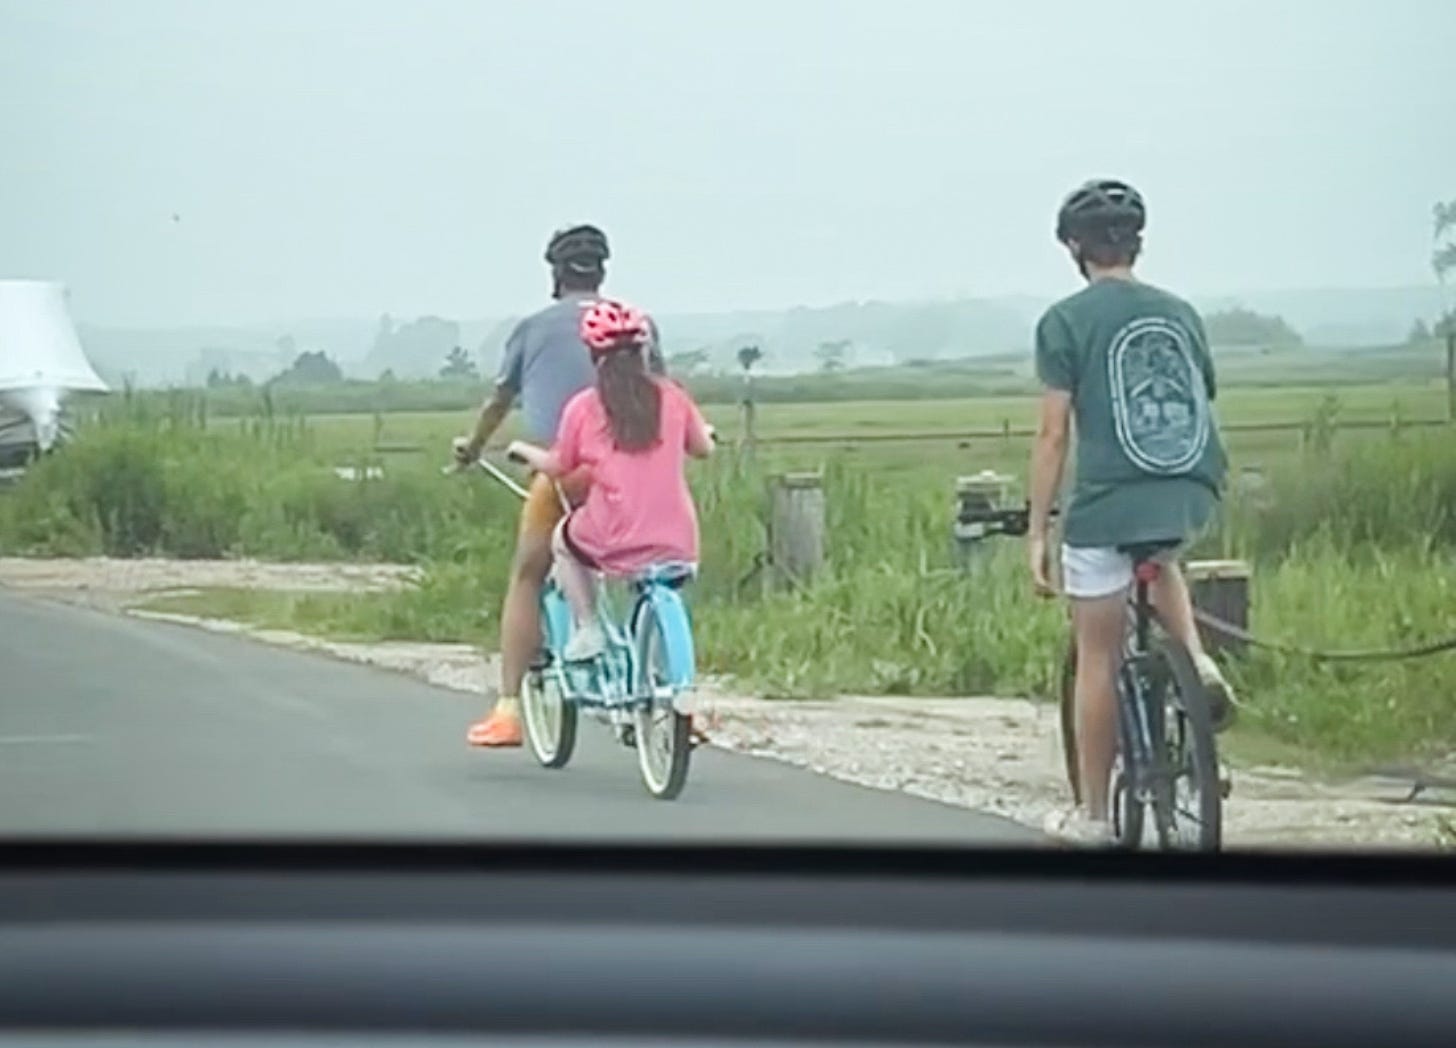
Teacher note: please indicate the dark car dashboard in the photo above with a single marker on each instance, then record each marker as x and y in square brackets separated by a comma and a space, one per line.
[272, 944]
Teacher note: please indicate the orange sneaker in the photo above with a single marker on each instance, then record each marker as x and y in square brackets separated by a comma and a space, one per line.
[497, 731]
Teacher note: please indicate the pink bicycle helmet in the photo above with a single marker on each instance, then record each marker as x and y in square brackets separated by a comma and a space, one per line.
[608, 325]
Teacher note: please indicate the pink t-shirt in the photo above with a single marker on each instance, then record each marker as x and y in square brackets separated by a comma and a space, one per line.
[638, 510]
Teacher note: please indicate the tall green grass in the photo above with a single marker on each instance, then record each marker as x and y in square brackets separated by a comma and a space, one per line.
[144, 479]
[1353, 543]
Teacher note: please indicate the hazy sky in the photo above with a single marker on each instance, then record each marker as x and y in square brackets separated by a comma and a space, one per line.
[351, 157]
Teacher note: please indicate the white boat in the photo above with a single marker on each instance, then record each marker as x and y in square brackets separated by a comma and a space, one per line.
[42, 363]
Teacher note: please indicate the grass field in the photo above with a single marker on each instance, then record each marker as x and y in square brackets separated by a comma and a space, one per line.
[1354, 549]
[918, 442]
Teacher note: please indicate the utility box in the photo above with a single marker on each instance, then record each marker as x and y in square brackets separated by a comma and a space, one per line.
[977, 498]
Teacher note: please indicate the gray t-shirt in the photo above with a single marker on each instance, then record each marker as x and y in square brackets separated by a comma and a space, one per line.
[1149, 459]
[546, 363]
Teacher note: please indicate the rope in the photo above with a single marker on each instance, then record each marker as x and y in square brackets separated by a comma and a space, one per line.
[1229, 630]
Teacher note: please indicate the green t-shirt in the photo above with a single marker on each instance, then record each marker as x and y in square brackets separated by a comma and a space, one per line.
[1149, 460]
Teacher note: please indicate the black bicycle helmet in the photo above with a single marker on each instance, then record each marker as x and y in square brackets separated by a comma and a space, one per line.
[582, 248]
[1101, 206]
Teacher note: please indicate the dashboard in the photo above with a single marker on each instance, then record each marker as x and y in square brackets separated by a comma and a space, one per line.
[264, 944]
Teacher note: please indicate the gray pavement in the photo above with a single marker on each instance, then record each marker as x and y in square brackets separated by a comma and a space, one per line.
[117, 726]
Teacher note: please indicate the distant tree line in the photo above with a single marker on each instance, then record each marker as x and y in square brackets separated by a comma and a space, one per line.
[1244, 327]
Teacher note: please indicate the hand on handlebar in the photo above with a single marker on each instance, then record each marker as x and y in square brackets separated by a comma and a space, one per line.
[463, 452]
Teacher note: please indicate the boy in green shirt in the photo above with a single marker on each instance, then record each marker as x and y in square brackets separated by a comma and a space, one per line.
[1130, 364]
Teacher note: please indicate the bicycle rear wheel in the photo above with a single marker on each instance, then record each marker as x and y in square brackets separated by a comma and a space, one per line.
[1068, 710]
[1193, 819]
[549, 717]
[664, 742]
[1124, 804]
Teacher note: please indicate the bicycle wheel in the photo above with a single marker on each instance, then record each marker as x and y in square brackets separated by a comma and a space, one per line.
[1124, 806]
[1190, 752]
[664, 743]
[1068, 710]
[550, 720]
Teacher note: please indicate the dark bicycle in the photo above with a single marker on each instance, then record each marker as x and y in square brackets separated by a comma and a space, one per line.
[1167, 758]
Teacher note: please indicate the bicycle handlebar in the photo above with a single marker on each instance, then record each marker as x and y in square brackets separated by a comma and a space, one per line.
[1014, 521]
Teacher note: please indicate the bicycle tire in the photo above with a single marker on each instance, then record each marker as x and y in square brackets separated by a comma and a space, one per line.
[663, 778]
[1126, 813]
[1192, 713]
[1068, 714]
[550, 737]
[550, 722]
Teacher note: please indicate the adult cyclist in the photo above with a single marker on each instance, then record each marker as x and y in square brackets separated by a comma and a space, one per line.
[544, 365]
[1130, 364]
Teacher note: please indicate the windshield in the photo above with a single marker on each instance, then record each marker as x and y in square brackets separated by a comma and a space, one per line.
[765, 422]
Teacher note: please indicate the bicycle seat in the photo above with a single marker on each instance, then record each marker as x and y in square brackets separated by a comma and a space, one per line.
[668, 573]
[1142, 552]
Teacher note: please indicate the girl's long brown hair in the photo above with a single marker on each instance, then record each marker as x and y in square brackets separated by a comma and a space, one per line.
[630, 398]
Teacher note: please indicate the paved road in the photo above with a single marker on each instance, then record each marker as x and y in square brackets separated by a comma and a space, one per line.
[111, 725]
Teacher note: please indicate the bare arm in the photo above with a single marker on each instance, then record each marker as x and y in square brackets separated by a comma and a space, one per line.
[492, 413]
[1049, 456]
[539, 459]
[699, 438]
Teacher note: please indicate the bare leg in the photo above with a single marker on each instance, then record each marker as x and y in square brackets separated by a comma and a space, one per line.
[1099, 624]
[577, 584]
[1174, 607]
[521, 615]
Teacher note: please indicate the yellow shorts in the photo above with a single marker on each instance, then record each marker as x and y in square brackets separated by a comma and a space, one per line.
[542, 509]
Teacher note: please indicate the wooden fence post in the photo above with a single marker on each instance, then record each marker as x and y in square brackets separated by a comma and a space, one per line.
[1221, 588]
[1451, 367]
[796, 527]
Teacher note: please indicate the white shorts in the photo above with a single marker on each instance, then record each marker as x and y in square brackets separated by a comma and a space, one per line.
[1090, 572]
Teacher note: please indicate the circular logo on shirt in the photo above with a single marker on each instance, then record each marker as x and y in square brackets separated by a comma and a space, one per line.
[1159, 400]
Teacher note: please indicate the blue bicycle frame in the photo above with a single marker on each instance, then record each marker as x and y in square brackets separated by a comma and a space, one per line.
[618, 680]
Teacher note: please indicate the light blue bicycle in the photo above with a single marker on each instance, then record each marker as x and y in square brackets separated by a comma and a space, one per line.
[640, 686]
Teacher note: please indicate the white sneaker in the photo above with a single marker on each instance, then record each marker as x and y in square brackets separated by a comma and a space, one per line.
[1074, 826]
[585, 644]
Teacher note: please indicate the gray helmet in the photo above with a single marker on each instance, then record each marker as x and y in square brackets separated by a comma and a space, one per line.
[581, 248]
[1103, 208]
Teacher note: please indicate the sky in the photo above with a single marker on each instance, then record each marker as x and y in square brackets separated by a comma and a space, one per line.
[211, 161]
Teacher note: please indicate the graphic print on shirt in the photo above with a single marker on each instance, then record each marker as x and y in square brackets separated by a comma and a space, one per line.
[1159, 399]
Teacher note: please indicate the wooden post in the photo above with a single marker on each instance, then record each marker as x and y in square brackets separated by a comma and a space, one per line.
[796, 528]
[1451, 367]
[1221, 589]
[749, 414]
[1251, 487]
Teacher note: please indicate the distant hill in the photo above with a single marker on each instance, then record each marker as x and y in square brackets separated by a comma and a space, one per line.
[1339, 318]
[870, 334]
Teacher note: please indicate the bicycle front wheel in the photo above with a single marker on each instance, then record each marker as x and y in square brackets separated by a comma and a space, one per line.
[664, 736]
[1193, 817]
